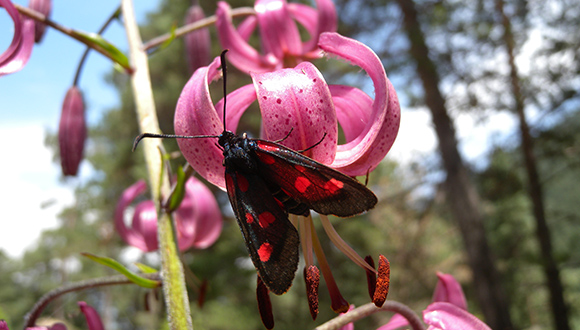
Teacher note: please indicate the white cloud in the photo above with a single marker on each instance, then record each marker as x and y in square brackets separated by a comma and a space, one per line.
[417, 138]
[29, 180]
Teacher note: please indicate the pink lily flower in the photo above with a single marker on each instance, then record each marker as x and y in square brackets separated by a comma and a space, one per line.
[198, 219]
[280, 37]
[44, 7]
[93, 320]
[18, 53]
[56, 326]
[448, 310]
[72, 132]
[296, 99]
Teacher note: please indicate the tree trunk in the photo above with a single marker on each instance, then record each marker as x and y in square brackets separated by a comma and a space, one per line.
[461, 194]
[558, 305]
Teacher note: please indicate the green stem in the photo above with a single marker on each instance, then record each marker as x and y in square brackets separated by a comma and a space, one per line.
[175, 294]
[368, 309]
[32, 316]
[114, 16]
[206, 22]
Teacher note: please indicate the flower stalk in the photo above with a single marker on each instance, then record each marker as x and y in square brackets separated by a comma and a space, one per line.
[203, 23]
[370, 308]
[174, 290]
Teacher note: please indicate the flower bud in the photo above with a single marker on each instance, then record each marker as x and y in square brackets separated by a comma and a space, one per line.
[72, 131]
[44, 7]
[198, 42]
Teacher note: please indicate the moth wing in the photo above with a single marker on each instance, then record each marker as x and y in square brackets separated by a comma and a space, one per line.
[321, 188]
[271, 239]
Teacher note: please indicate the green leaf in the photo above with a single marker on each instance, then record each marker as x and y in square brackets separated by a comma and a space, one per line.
[146, 269]
[100, 44]
[170, 40]
[111, 263]
[178, 192]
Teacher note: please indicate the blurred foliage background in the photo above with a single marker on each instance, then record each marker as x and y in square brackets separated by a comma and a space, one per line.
[413, 224]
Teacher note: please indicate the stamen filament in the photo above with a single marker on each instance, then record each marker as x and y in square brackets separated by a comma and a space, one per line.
[305, 238]
[338, 303]
[342, 245]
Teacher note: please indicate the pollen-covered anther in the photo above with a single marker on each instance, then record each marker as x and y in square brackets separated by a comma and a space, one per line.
[312, 278]
[264, 304]
[383, 280]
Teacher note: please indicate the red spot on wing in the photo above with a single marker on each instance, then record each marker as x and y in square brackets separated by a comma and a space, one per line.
[268, 147]
[266, 218]
[333, 186]
[300, 168]
[267, 159]
[243, 183]
[229, 180]
[249, 218]
[302, 183]
[265, 252]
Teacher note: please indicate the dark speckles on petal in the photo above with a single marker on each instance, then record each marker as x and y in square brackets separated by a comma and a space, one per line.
[279, 101]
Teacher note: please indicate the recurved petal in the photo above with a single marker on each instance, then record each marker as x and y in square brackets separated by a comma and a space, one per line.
[278, 32]
[241, 54]
[129, 235]
[449, 290]
[326, 21]
[195, 115]
[18, 53]
[44, 7]
[370, 146]
[144, 227]
[199, 220]
[442, 315]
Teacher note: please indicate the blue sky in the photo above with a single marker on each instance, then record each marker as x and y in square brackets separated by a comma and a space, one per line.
[30, 103]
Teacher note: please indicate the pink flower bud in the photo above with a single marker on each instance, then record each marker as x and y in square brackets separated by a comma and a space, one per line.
[72, 131]
[44, 7]
[93, 319]
[198, 42]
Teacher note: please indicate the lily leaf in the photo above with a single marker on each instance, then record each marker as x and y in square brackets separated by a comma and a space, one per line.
[178, 192]
[146, 269]
[111, 263]
[99, 43]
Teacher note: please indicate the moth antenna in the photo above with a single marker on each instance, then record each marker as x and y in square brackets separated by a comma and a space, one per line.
[312, 146]
[170, 136]
[224, 73]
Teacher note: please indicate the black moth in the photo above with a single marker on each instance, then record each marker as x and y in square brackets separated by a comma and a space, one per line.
[265, 181]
